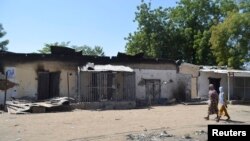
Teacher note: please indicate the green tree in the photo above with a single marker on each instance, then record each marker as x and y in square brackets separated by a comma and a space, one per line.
[4, 43]
[244, 6]
[155, 34]
[182, 32]
[193, 19]
[86, 50]
[231, 40]
[46, 48]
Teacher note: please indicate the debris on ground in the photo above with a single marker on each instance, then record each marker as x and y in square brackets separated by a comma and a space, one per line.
[165, 136]
[186, 136]
[154, 136]
[16, 106]
[200, 132]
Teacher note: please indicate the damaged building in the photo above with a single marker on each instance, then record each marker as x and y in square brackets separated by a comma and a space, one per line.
[106, 83]
[89, 79]
[106, 86]
[43, 76]
[155, 79]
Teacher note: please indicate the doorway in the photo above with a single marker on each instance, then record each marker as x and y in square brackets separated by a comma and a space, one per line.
[215, 82]
[48, 85]
[153, 90]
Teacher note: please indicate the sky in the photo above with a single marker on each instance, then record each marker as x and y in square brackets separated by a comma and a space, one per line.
[32, 23]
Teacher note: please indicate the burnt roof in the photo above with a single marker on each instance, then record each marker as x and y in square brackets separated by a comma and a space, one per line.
[138, 58]
[60, 50]
[126, 56]
[69, 55]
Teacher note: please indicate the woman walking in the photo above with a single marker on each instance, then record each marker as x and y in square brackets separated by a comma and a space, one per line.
[222, 105]
[213, 102]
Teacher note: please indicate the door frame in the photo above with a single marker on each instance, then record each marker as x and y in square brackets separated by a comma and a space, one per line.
[153, 98]
[48, 85]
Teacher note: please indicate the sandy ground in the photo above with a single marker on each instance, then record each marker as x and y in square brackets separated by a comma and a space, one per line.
[81, 125]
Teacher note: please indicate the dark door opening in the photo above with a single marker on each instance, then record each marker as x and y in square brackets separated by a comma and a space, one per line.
[54, 78]
[215, 82]
[48, 85]
[43, 85]
[153, 90]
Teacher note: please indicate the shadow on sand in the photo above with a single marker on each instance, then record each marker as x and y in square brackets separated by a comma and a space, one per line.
[231, 121]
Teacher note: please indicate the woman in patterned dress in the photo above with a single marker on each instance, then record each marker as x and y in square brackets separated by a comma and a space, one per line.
[213, 102]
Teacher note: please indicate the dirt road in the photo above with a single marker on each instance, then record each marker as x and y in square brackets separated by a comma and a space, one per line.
[81, 125]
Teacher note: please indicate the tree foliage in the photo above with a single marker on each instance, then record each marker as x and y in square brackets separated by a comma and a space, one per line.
[153, 35]
[231, 40]
[86, 50]
[4, 43]
[188, 31]
[46, 48]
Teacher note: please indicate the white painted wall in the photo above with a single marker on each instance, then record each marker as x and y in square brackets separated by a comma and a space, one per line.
[163, 75]
[203, 83]
[26, 77]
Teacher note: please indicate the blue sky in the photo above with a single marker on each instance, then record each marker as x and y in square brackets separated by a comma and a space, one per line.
[31, 23]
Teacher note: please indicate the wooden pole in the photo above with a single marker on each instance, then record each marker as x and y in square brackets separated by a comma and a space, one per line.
[68, 83]
[228, 86]
[5, 91]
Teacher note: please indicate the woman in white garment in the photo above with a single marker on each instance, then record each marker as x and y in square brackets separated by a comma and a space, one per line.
[222, 105]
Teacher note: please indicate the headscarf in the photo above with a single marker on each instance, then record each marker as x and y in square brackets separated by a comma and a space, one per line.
[221, 89]
[221, 95]
[211, 87]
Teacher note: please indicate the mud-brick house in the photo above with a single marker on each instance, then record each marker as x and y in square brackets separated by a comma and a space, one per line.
[42, 76]
[236, 83]
[155, 79]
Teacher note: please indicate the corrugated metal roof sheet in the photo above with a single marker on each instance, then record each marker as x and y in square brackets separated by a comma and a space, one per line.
[118, 68]
[214, 70]
[224, 71]
[240, 73]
